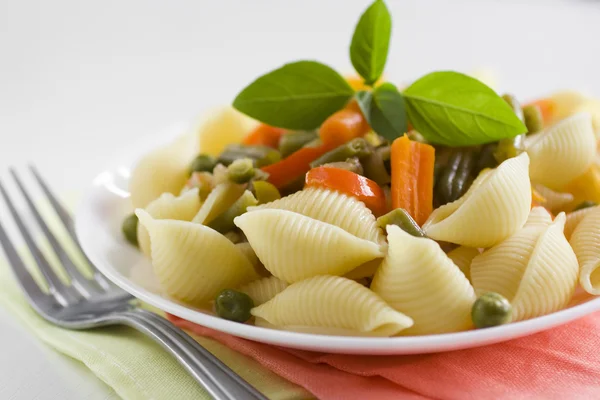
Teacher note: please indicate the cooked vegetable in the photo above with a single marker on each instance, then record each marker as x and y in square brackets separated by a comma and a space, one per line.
[585, 204]
[343, 126]
[261, 155]
[265, 135]
[514, 104]
[224, 222]
[293, 167]
[534, 120]
[241, 170]
[349, 183]
[351, 164]
[233, 305]
[412, 177]
[355, 148]
[129, 228]
[491, 309]
[374, 166]
[374, 139]
[486, 158]
[546, 108]
[265, 192]
[509, 148]
[294, 141]
[203, 163]
[401, 218]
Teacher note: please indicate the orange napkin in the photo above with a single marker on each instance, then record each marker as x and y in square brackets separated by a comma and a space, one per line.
[562, 363]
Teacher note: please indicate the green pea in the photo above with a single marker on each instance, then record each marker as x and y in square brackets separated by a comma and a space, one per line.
[491, 309]
[585, 204]
[203, 163]
[233, 305]
[129, 228]
[534, 120]
[241, 170]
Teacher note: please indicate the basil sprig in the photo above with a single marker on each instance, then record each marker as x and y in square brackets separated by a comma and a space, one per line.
[446, 107]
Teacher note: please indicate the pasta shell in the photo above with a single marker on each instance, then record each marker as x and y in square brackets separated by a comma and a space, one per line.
[494, 207]
[586, 186]
[294, 247]
[333, 208]
[586, 244]
[574, 218]
[462, 257]
[263, 289]
[418, 279]
[535, 269]
[331, 305]
[192, 262]
[220, 127]
[561, 152]
[553, 201]
[248, 251]
[568, 102]
[218, 201]
[164, 170]
[167, 206]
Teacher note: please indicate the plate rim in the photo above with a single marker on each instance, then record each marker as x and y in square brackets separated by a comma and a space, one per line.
[315, 342]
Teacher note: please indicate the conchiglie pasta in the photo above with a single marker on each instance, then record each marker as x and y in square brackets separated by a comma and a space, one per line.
[586, 186]
[586, 244]
[248, 251]
[568, 102]
[535, 269]
[167, 206]
[418, 279]
[294, 247]
[553, 201]
[365, 270]
[495, 206]
[333, 306]
[218, 201]
[333, 208]
[164, 170]
[220, 127]
[263, 289]
[193, 262]
[574, 218]
[561, 152]
[462, 257]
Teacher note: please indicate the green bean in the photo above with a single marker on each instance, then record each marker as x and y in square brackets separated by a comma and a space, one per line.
[351, 164]
[509, 148]
[294, 141]
[456, 178]
[491, 309]
[534, 120]
[464, 175]
[233, 305]
[224, 222]
[401, 218]
[355, 148]
[416, 137]
[486, 158]
[442, 156]
[241, 171]
[265, 192]
[514, 104]
[374, 166]
[585, 204]
[203, 163]
[261, 155]
[129, 228]
[374, 139]
[294, 186]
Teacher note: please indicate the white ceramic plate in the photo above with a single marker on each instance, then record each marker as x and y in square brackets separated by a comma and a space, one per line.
[98, 223]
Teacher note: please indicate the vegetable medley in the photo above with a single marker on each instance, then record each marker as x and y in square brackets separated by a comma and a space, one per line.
[346, 206]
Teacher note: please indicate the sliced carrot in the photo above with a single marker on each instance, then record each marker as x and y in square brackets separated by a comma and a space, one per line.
[350, 183]
[412, 177]
[265, 135]
[343, 126]
[294, 166]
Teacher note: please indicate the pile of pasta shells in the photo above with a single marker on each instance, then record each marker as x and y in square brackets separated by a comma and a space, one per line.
[307, 257]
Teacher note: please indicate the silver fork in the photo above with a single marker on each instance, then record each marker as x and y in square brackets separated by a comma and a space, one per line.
[89, 303]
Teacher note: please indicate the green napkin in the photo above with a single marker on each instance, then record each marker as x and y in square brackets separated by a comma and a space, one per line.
[130, 363]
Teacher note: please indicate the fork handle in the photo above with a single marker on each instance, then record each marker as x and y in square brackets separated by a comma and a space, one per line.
[218, 379]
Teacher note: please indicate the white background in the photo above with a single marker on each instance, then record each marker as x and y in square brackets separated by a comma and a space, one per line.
[81, 82]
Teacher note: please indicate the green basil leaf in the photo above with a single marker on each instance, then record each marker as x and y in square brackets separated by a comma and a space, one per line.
[454, 109]
[384, 110]
[299, 96]
[371, 41]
